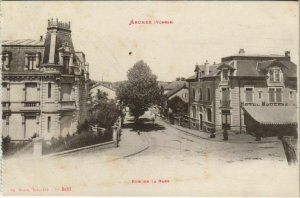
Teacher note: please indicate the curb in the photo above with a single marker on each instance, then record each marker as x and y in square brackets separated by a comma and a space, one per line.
[215, 140]
[136, 152]
[105, 145]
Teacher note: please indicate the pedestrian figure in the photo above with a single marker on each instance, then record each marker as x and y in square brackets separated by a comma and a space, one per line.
[225, 134]
[138, 132]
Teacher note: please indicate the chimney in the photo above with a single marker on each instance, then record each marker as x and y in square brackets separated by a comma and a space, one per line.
[242, 52]
[206, 66]
[287, 53]
[41, 38]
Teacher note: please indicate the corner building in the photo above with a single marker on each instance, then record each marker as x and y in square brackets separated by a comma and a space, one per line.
[44, 85]
[219, 92]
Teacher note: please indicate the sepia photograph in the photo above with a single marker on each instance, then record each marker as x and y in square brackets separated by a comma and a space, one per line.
[150, 98]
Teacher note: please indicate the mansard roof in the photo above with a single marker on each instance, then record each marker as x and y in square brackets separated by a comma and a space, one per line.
[23, 42]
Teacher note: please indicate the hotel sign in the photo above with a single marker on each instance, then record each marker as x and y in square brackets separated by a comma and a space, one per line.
[263, 104]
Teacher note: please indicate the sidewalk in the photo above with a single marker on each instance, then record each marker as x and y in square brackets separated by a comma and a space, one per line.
[232, 137]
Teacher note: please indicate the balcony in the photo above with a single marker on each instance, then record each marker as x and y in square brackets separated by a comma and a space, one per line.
[225, 103]
[67, 105]
[30, 106]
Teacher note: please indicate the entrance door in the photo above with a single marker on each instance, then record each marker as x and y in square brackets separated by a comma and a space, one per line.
[66, 125]
[226, 119]
[30, 126]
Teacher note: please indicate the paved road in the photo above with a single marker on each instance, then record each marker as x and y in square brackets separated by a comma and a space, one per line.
[166, 161]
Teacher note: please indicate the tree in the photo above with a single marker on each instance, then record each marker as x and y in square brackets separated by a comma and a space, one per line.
[101, 96]
[141, 89]
[177, 105]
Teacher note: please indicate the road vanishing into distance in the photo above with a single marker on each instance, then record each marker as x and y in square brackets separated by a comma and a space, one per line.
[161, 160]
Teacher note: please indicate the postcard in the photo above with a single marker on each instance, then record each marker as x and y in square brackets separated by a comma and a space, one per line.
[142, 98]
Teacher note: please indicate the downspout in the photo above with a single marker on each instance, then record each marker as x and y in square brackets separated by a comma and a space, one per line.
[240, 107]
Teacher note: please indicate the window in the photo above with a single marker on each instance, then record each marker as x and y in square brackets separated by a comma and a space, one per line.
[194, 112]
[31, 92]
[249, 94]
[66, 91]
[225, 94]
[31, 61]
[291, 95]
[208, 94]
[194, 94]
[66, 60]
[5, 61]
[200, 94]
[225, 75]
[49, 90]
[208, 114]
[274, 75]
[275, 95]
[49, 124]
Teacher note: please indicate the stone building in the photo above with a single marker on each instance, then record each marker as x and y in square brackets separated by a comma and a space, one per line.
[44, 85]
[217, 98]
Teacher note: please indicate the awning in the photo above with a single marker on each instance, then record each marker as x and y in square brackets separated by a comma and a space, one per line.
[280, 115]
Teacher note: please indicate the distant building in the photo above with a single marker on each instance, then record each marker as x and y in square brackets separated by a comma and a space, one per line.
[217, 97]
[44, 85]
[104, 87]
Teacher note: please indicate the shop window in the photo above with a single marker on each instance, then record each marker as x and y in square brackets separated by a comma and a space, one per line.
[275, 95]
[226, 119]
[249, 94]
[208, 115]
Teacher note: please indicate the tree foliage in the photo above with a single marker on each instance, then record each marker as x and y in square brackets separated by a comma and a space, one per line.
[177, 105]
[141, 89]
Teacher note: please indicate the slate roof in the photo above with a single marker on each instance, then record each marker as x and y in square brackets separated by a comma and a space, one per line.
[23, 42]
[175, 84]
[174, 91]
[273, 114]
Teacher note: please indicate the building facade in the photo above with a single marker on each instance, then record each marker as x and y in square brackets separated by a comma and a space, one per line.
[218, 97]
[44, 85]
[103, 87]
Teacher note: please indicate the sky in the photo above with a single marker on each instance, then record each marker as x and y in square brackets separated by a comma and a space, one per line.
[200, 31]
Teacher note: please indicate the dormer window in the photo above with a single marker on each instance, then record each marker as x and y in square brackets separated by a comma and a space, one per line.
[275, 75]
[6, 61]
[32, 61]
[225, 75]
[66, 62]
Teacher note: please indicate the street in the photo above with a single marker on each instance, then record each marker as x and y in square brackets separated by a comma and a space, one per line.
[159, 161]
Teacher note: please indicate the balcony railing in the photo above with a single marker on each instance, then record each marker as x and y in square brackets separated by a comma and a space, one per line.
[31, 104]
[225, 103]
[67, 105]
